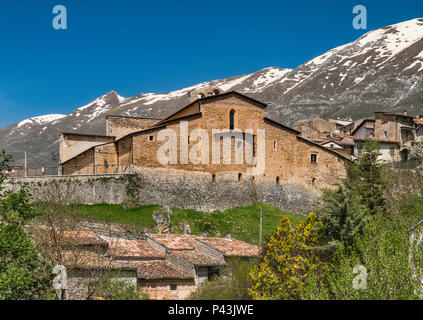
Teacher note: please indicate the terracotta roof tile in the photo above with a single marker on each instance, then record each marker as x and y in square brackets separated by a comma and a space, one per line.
[82, 237]
[159, 269]
[197, 258]
[175, 241]
[133, 249]
[149, 270]
[232, 247]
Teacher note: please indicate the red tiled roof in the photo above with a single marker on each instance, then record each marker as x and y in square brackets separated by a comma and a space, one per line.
[418, 121]
[81, 259]
[81, 237]
[150, 270]
[175, 241]
[133, 249]
[197, 258]
[232, 247]
[159, 269]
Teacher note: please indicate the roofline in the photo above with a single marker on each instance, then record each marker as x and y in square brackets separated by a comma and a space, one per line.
[99, 145]
[394, 114]
[281, 125]
[130, 117]
[159, 243]
[324, 148]
[264, 105]
[211, 247]
[160, 125]
[86, 135]
[331, 140]
[361, 123]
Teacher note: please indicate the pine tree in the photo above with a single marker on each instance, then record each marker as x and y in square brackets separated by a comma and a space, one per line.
[344, 211]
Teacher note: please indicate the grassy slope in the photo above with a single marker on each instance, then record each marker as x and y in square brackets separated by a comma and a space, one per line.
[243, 222]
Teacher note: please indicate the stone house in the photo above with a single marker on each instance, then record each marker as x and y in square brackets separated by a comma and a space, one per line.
[166, 266]
[211, 121]
[395, 132]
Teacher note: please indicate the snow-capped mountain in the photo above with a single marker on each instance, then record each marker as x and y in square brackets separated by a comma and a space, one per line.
[381, 70]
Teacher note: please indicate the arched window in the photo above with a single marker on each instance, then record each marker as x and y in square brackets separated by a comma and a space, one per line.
[232, 120]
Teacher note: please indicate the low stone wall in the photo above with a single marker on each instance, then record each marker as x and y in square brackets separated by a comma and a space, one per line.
[174, 188]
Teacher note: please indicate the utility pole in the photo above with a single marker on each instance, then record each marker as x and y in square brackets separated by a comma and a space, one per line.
[26, 165]
[261, 225]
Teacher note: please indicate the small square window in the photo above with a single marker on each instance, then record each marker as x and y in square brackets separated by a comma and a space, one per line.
[313, 158]
[173, 287]
[123, 145]
[151, 138]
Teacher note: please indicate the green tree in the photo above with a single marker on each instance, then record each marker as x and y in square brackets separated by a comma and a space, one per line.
[417, 151]
[232, 283]
[288, 260]
[393, 262]
[361, 195]
[23, 274]
[114, 289]
[342, 214]
[367, 180]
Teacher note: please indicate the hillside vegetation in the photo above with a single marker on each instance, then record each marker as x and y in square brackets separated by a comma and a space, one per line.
[243, 222]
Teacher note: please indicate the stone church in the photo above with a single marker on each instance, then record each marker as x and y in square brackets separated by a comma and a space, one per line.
[202, 130]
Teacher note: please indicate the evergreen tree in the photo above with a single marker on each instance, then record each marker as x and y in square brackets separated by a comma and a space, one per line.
[366, 178]
[342, 215]
[361, 195]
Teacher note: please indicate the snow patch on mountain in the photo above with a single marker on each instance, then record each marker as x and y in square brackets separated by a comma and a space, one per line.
[40, 120]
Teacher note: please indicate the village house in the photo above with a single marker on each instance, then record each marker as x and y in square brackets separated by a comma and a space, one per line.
[165, 266]
[288, 156]
[332, 134]
[396, 134]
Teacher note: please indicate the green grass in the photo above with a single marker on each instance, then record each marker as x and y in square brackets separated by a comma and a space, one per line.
[243, 222]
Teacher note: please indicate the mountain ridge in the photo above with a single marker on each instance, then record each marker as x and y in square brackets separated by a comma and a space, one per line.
[382, 69]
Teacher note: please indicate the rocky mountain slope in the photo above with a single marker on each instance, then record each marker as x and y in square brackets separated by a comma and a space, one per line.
[381, 70]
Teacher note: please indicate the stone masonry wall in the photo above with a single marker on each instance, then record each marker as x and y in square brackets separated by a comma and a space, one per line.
[175, 188]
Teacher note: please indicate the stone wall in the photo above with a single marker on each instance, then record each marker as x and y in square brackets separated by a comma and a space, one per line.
[175, 188]
[119, 126]
[160, 289]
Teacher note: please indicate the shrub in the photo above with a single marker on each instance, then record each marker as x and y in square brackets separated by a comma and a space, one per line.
[114, 289]
[231, 284]
[288, 260]
[394, 266]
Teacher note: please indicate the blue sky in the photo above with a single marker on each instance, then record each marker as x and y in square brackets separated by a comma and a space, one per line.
[158, 46]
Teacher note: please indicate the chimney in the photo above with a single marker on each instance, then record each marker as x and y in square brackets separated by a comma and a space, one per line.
[350, 118]
[228, 234]
[405, 112]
